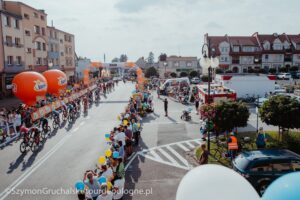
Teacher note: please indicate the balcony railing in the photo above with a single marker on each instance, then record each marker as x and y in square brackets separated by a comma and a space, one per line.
[14, 67]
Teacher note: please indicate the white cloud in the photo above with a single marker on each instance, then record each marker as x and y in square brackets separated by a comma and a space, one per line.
[137, 27]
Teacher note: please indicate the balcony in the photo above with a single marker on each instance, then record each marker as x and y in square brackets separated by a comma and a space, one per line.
[40, 68]
[235, 61]
[288, 59]
[53, 54]
[14, 68]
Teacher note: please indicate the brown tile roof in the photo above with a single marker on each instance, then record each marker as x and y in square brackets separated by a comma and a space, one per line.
[294, 38]
[243, 40]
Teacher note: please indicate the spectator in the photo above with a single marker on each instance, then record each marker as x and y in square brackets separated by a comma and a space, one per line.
[204, 155]
[118, 189]
[166, 107]
[120, 136]
[91, 181]
[18, 121]
[105, 194]
[261, 140]
[107, 172]
[118, 168]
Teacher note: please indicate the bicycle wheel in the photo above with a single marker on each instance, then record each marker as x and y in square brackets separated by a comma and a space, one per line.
[34, 146]
[49, 130]
[23, 147]
[54, 125]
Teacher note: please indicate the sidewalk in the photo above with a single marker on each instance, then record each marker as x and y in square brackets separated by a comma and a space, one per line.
[9, 102]
[9, 140]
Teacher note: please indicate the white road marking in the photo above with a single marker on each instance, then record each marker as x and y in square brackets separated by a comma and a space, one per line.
[26, 174]
[183, 160]
[189, 144]
[198, 142]
[164, 162]
[155, 155]
[82, 123]
[130, 161]
[170, 158]
[182, 147]
[75, 129]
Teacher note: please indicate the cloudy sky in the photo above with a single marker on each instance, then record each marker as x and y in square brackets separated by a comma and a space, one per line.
[136, 27]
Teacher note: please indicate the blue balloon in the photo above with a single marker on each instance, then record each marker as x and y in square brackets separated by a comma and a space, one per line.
[102, 180]
[116, 154]
[286, 187]
[133, 91]
[107, 135]
[79, 185]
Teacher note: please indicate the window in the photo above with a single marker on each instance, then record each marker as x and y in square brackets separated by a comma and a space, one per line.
[176, 64]
[35, 15]
[66, 50]
[262, 167]
[44, 46]
[9, 41]
[28, 50]
[266, 56]
[43, 31]
[19, 60]
[39, 61]
[296, 165]
[61, 41]
[51, 34]
[7, 21]
[37, 29]
[16, 24]
[45, 61]
[18, 42]
[189, 64]
[10, 60]
[248, 49]
[27, 32]
[42, 17]
[26, 16]
[55, 34]
[70, 52]
[225, 59]
[224, 49]
[62, 53]
[282, 167]
[236, 48]
[38, 45]
[298, 46]
[57, 61]
[266, 45]
[277, 46]
[51, 47]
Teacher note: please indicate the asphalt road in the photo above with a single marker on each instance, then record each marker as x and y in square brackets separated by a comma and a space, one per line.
[67, 154]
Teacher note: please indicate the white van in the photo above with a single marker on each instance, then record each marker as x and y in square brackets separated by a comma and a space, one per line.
[173, 83]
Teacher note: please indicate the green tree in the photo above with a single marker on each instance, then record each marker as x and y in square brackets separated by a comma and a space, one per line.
[115, 60]
[294, 68]
[194, 74]
[272, 70]
[219, 71]
[183, 74]
[151, 71]
[281, 111]
[173, 75]
[204, 78]
[150, 59]
[123, 58]
[162, 57]
[229, 115]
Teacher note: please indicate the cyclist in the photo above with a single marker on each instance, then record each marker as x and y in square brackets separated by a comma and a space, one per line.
[85, 103]
[56, 115]
[70, 107]
[44, 122]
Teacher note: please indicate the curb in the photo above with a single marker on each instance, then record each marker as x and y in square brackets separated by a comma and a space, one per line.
[9, 140]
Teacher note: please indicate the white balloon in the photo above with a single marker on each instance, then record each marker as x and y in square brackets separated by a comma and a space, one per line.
[215, 182]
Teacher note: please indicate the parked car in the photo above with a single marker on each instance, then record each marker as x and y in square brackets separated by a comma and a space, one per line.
[262, 167]
[195, 80]
[284, 76]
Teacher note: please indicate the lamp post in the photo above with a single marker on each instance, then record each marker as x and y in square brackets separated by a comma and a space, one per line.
[209, 64]
[165, 65]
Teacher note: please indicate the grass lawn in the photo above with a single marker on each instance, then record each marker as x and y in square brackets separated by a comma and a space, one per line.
[290, 141]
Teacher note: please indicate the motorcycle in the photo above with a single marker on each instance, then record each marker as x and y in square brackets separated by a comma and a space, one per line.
[186, 115]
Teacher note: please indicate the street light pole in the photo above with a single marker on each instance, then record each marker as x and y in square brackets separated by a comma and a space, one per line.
[208, 63]
[257, 113]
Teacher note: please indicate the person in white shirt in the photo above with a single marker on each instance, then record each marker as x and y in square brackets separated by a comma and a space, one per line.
[118, 189]
[105, 195]
[107, 172]
[120, 136]
[18, 121]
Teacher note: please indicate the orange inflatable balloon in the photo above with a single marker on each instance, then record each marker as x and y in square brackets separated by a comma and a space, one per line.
[130, 64]
[30, 87]
[57, 81]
